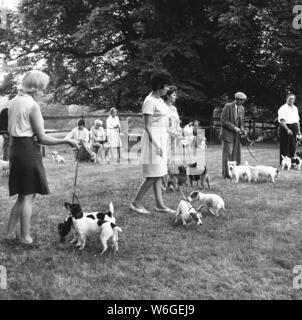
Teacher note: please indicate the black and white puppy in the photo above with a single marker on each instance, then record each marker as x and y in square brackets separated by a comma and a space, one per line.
[296, 163]
[88, 223]
[212, 202]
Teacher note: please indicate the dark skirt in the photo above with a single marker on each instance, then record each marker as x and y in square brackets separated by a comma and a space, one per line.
[288, 143]
[27, 173]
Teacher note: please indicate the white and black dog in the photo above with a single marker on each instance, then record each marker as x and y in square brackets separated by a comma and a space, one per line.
[212, 202]
[296, 163]
[286, 162]
[185, 212]
[88, 223]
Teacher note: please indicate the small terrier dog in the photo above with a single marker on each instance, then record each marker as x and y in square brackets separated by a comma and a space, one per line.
[203, 177]
[57, 158]
[4, 167]
[213, 202]
[286, 162]
[88, 223]
[237, 172]
[265, 171]
[185, 212]
[296, 163]
[175, 180]
[254, 172]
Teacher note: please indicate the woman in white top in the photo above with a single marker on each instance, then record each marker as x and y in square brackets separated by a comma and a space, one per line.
[27, 175]
[154, 144]
[113, 128]
[82, 136]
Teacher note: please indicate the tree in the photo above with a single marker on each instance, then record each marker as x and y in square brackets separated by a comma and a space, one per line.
[103, 52]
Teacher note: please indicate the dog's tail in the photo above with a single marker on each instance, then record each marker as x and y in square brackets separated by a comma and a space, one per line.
[205, 171]
[111, 208]
[247, 164]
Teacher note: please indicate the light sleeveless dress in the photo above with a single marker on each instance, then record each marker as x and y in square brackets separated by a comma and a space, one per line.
[153, 164]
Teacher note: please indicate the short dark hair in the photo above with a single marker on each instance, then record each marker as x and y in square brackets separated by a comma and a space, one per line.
[81, 122]
[171, 90]
[159, 79]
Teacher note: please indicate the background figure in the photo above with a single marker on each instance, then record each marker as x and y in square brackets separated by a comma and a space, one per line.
[188, 142]
[232, 126]
[4, 127]
[173, 123]
[27, 175]
[98, 139]
[154, 144]
[113, 127]
[82, 136]
[288, 117]
[195, 134]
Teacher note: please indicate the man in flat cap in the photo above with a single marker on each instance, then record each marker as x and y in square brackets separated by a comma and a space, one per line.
[232, 126]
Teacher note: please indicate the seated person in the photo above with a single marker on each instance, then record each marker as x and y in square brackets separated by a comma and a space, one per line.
[98, 139]
[81, 135]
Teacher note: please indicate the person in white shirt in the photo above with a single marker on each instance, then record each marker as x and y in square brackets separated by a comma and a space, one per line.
[82, 136]
[188, 140]
[289, 119]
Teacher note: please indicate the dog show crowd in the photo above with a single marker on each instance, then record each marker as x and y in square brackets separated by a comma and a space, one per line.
[162, 137]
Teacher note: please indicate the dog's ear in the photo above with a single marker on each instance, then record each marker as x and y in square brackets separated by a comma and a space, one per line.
[67, 205]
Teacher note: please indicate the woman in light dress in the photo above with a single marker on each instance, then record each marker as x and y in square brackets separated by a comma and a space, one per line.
[113, 128]
[174, 129]
[154, 144]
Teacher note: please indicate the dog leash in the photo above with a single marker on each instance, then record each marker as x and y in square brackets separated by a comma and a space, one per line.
[74, 194]
[184, 198]
[248, 148]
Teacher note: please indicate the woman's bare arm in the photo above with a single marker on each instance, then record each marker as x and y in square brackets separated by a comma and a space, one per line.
[37, 124]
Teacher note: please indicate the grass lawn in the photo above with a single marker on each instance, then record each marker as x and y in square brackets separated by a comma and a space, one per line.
[248, 254]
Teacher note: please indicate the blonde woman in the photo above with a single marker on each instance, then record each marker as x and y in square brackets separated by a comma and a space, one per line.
[27, 175]
[113, 127]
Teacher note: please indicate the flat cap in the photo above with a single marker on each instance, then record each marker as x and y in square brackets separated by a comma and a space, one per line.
[240, 95]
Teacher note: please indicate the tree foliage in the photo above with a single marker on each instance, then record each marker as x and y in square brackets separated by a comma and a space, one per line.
[102, 52]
